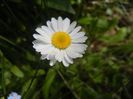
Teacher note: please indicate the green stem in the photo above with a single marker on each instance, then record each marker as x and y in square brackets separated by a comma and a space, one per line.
[67, 84]
[32, 80]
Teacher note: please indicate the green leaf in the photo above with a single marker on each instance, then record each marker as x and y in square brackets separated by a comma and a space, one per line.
[97, 77]
[102, 23]
[40, 72]
[62, 5]
[124, 48]
[122, 33]
[85, 20]
[17, 72]
[48, 82]
[2, 98]
[31, 90]
[119, 36]
[91, 91]
[36, 95]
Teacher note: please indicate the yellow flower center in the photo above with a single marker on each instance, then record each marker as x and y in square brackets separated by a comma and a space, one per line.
[61, 40]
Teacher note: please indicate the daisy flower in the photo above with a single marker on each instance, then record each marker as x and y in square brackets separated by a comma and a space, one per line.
[14, 95]
[59, 40]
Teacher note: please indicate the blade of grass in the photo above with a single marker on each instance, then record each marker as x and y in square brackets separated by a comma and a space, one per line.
[66, 83]
[32, 80]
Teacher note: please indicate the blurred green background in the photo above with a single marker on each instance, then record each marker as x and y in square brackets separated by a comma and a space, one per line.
[105, 71]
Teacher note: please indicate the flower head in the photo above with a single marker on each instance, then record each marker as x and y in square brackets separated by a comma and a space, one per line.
[60, 41]
[14, 95]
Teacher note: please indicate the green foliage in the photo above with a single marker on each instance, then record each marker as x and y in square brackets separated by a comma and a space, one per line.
[119, 36]
[16, 71]
[48, 82]
[105, 71]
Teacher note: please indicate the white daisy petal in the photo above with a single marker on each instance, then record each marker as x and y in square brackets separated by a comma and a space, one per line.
[60, 41]
[66, 24]
[54, 24]
[79, 40]
[80, 48]
[44, 56]
[42, 38]
[47, 50]
[47, 30]
[42, 32]
[71, 27]
[60, 24]
[78, 35]
[59, 56]
[69, 59]
[72, 53]
[49, 24]
[36, 42]
[50, 56]
[63, 59]
[39, 42]
[76, 30]
[52, 53]
[52, 62]
[65, 63]
[41, 48]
